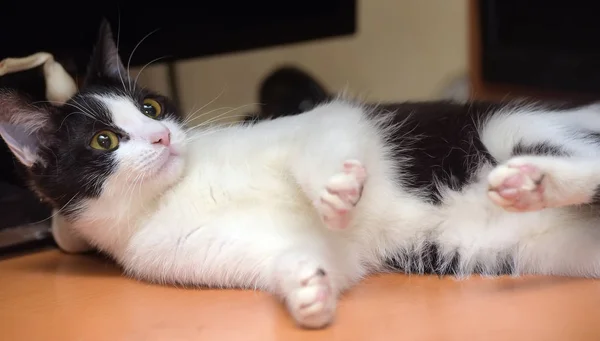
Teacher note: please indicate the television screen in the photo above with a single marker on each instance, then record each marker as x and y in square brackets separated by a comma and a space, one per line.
[546, 44]
[174, 30]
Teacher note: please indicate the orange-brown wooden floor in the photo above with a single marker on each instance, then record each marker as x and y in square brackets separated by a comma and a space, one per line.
[52, 296]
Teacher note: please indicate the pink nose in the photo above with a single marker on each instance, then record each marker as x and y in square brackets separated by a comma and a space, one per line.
[162, 137]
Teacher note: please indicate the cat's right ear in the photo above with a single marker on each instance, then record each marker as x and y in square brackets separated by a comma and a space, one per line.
[21, 126]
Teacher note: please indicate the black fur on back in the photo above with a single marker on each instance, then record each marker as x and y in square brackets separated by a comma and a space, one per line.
[438, 143]
[438, 146]
[428, 260]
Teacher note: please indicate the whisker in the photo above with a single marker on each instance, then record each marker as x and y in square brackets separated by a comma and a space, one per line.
[218, 121]
[64, 119]
[129, 195]
[210, 112]
[118, 40]
[142, 69]
[219, 116]
[88, 112]
[132, 52]
[58, 211]
[204, 133]
[191, 116]
[60, 103]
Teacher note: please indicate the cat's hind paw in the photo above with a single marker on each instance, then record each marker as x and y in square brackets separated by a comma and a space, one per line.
[342, 192]
[517, 187]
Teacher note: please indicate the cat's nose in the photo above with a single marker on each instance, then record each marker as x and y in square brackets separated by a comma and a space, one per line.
[162, 137]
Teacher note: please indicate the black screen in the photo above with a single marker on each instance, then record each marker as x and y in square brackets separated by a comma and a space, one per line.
[181, 29]
[552, 45]
[548, 25]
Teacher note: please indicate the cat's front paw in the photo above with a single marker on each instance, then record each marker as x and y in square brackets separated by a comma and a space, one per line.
[517, 186]
[341, 194]
[310, 298]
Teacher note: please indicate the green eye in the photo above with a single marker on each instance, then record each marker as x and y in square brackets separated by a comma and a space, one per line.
[105, 140]
[151, 108]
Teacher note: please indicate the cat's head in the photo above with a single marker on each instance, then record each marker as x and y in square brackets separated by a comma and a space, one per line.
[110, 141]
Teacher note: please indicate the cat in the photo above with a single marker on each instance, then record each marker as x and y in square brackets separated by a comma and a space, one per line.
[305, 206]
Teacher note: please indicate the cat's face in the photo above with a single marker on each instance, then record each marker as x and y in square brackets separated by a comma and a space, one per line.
[110, 141]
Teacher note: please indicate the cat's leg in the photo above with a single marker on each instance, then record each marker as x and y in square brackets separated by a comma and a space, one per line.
[284, 253]
[530, 183]
[66, 236]
[337, 148]
[568, 245]
[333, 186]
[340, 194]
[305, 285]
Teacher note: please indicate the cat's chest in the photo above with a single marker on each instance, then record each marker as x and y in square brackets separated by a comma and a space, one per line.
[215, 186]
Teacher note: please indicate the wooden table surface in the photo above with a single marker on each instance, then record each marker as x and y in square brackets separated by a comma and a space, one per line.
[52, 296]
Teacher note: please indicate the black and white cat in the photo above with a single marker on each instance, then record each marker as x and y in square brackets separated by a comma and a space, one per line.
[305, 206]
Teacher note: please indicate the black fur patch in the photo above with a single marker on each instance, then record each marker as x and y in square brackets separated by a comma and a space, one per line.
[71, 170]
[439, 143]
[428, 260]
[541, 148]
[592, 136]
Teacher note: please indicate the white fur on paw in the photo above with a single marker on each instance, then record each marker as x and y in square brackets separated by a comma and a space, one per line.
[517, 186]
[341, 194]
[310, 298]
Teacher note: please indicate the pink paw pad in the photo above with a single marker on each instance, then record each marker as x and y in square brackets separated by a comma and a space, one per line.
[341, 194]
[517, 187]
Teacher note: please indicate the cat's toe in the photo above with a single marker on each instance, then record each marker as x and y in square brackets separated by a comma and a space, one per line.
[312, 303]
[517, 186]
[341, 194]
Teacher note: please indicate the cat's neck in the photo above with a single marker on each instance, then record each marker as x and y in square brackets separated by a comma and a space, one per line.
[110, 221]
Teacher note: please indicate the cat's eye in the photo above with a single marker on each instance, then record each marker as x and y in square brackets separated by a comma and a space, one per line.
[151, 108]
[105, 140]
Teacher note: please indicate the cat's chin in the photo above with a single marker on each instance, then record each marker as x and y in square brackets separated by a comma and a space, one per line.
[165, 170]
[171, 168]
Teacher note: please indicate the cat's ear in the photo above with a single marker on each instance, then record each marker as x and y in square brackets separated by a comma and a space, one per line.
[105, 61]
[21, 125]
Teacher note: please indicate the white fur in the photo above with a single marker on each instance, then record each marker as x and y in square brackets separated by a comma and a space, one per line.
[242, 211]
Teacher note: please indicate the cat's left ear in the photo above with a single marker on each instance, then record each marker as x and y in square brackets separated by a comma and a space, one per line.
[22, 125]
[105, 61]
